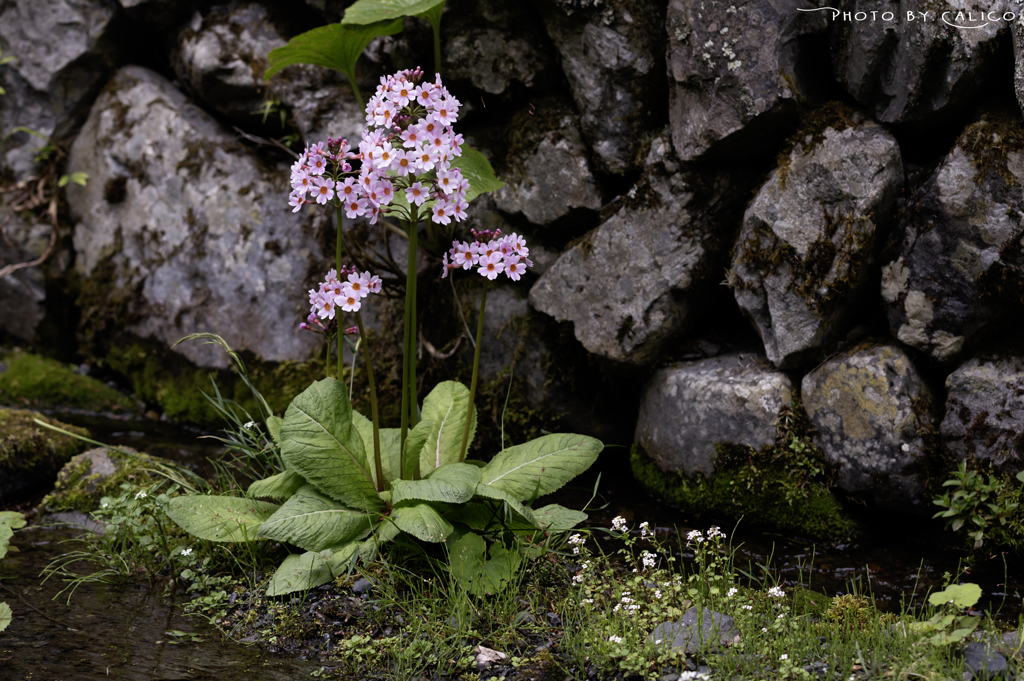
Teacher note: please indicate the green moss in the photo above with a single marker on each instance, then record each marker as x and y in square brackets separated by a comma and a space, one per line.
[782, 487]
[989, 141]
[34, 381]
[92, 475]
[26, 446]
[813, 124]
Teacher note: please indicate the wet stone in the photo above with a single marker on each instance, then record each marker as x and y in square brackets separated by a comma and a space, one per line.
[985, 662]
[698, 630]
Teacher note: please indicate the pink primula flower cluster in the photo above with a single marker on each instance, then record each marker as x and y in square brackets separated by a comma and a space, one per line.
[491, 253]
[334, 294]
[408, 145]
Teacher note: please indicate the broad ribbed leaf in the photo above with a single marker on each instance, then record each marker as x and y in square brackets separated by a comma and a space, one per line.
[335, 46]
[319, 442]
[215, 518]
[369, 11]
[315, 522]
[422, 522]
[5, 616]
[472, 568]
[9, 521]
[558, 518]
[475, 167]
[414, 441]
[446, 407]
[541, 466]
[299, 572]
[390, 455]
[514, 515]
[274, 428]
[452, 483]
[280, 486]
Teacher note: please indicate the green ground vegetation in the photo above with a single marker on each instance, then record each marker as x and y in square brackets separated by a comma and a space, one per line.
[26, 446]
[32, 381]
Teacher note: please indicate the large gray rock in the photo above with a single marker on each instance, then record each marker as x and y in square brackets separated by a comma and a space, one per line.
[901, 70]
[734, 84]
[1018, 59]
[497, 46]
[870, 408]
[688, 408]
[958, 269]
[221, 57]
[985, 409]
[547, 174]
[22, 292]
[180, 229]
[700, 629]
[65, 50]
[637, 280]
[808, 239]
[613, 57]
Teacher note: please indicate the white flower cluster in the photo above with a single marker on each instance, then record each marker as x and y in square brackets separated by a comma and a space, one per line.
[615, 639]
[333, 293]
[645, 529]
[776, 592]
[577, 540]
[626, 602]
[619, 524]
[408, 144]
[649, 559]
[579, 576]
[491, 253]
[694, 536]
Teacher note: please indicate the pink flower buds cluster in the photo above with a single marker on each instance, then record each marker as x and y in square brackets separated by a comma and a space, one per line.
[491, 254]
[333, 294]
[408, 145]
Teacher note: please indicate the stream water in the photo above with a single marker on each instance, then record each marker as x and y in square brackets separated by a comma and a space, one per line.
[119, 632]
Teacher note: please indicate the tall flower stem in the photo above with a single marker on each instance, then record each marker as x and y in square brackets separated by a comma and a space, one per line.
[476, 372]
[373, 402]
[337, 258]
[409, 415]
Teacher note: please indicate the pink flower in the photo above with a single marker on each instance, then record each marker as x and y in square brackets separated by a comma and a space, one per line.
[513, 268]
[446, 111]
[491, 265]
[324, 190]
[359, 284]
[317, 164]
[375, 284]
[447, 180]
[355, 208]
[404, 163]
[350, 302]
[415, 193]
[297, 200]
[301, 181]
[441, 212]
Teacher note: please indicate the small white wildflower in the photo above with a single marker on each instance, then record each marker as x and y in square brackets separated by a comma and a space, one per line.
[694, 536]
[747, 607]
[649, 560]
[776, 592]
[781, 616]
[764, 630]
[691, 676]
[657, 594]
[105, 504]
[619, 524]
[615, 639]
[715, 531]
[249, 425]
[186, 552]
[645, 529]
[784, 657]
[141, 495]
[588, 601]
[578, 578]
[732, 592]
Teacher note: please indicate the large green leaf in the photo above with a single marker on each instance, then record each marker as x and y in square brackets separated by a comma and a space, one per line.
[556, 518]
[315, 522]
[541, 466]
[9, 522]
[319, 442]
[390, 454]
[471, 567]
[452, 483]
[370, 11]
[215, 518]
[446, 407]
[414, 441]
[513, 514]
[274, 428]
[422, 522]
[477, 169]
[300, 572]
[335, 46]
[280, 486]
[5, 616]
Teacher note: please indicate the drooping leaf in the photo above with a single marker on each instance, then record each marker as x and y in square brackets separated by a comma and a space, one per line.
[299, 572]
[390, 454]
[446, 407]
[961, 595]
[414, 441]
[471, 567]
[314, 522]
[370, 11]
[514, 514]
[541, 466]
[475, 167]
[319, 442]
[422, 522]
[452, 483]
[5, 616]
[558, 518]
[274, 428]
[236, 519]
[9, 522]
[280, 486]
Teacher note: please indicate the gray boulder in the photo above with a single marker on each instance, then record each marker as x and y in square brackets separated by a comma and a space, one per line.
[869, 408]
[985, 409]
[613, 57]
[734, 85]
[958, 268]
[181, 230]
[1018, 59]
[637, 280]
[65, 50]
[547, 175]
[700, 629]
[221, 57]
[901, 70]
[809, 238]
[688, 408]
[22, 292]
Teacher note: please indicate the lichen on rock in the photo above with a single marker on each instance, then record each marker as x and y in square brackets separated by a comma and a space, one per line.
[30, 454]
[99, 472]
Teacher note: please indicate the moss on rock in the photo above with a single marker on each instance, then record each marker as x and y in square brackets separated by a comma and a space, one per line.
[99, 472]
[28, 380]
[29, 453]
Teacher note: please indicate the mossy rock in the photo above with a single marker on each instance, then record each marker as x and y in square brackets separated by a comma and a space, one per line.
[30, 455]
[99, 472]
[28, 380]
